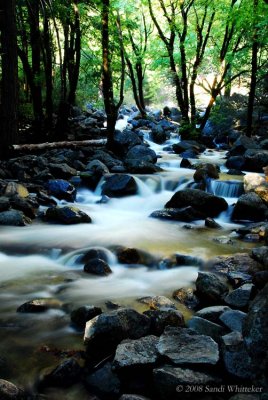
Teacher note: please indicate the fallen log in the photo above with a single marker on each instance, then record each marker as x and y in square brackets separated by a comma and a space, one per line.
[58, 145]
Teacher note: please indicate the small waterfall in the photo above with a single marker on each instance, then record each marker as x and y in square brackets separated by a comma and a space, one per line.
[227, 188]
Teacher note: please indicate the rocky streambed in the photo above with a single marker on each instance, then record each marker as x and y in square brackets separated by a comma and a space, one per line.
[139, 273]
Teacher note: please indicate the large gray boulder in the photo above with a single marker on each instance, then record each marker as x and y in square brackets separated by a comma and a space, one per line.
[212, 313]
[260, 254]
[205, 327]
[142, 153]
[240, 297]
[94, 171]
[249, 207]
[211, 288]
[66, 215]
[255, 332]
[119, 185]
[203, 202]
[256, 160]
[125, 140]
[184, 346]
[107, 330]
[135, 353]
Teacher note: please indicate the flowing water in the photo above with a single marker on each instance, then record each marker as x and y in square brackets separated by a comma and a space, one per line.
[40, 261]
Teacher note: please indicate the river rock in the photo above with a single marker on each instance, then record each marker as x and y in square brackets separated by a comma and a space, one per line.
[157, 302]
[108, 329]
[242, 144]
[141, 167]
[260, 254]
[256, 160]
[262, 192]
[110, 160]
[260, 279]
[136, 353]
[119, 185]
[211, 223]
[14, 218]
[255, 332]
[142, 153]
[162, 318]
[252, 181]
[235, 356]
[61, 189]
[81, 315]
[95, 252]
[235, 163]
[4, 204]
[97, 266]
[239, 262]
[28, 206]
[16, 189]
[159, 134]
[67, 215]
[210, 287]
[233, 319]
[94, 171]
[240, 297]
[125, 140]
[39, 305]
[9, 391]
[129, 255]
[64, 375]
[185, 214]
[205, 327]
[62, 171]
[212, 313]
[249, 207]
[185, 145]
[186, 297]
[167, 378]
[104, 382]
[206, 170]
[184, 346]
[203, 202]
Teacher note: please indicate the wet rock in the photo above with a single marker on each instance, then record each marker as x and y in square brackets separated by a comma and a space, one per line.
[242, 144]
[237, 263]
[141, 167]
[108, 329]
[9, 391]
[157, 302]
[61, 189]
[106, 158]
[262, 192]
[259, 228]
[255, 159]
[136, 353]
[184, 346]
[14, 218]
[240, 297]
[93, 253]
[104, 382]
[203, 202]
[249, 207]
[39, 305]
[206, 170]
[187, 297]
[185, 163]
[212, 313]
[81, 315]
[186, 214]
[94, 171]
[130, 255]
[236, 359]
[255, 332]
[185, 145]
[119, 185]
[233, 319]
[211, 223]
[67, 215]
[260, 254]
[28, 206]
[233, 171]
[223, 240]
[210, 288]
[167, 378]
[159, 135]
[64, 375]
[142, 153]
[162, 318]
[125, 140]
[184, 259]
[205, 327]
[16, 189]
[97, 266]
[235, 163]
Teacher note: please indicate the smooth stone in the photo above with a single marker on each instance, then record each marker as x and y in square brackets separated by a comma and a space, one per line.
[205, 327]
[212, 313]
[97, 266]
[157, 302]
[210, 287]
[14, 218]
[39, 305]
[240, 297]
[119, 185]
[187, 297]
[260, 254]
[233, 319]
[67, 215]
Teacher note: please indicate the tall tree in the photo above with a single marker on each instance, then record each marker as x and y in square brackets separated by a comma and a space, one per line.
[9, 81]
[111, 108]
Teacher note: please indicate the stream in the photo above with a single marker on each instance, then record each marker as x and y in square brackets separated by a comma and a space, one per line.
[40, 261]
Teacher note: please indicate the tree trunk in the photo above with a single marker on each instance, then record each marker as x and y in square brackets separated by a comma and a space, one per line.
[74, 63]
[253, 79]
[9, 82]
[107, 83]
[47, 54]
